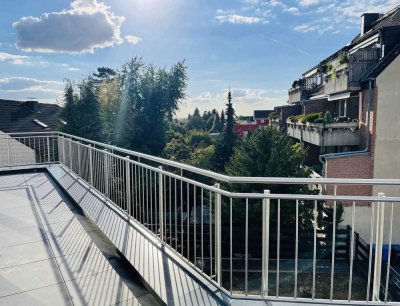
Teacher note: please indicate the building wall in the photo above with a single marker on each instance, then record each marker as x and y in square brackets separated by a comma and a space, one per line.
[387, 136]
[285, 112]
[352, 167]
[384, 158]
[352, 107]
[315, 107]
[387, 140]
[363, 119]
[359, 166]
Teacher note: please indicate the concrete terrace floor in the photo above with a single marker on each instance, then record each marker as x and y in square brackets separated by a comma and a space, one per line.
[51, 254]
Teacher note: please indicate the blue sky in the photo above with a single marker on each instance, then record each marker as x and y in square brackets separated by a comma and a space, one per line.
[256, 47]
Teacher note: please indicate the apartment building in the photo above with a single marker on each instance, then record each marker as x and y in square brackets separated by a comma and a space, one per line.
[345, 109]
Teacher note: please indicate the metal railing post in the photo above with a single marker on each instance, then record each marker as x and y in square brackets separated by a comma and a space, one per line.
[378, 248]
[128, 186]
[161, 203]
[218, 242]
[105, 163]
[90, 165]
[63, 150]
[70, 154]
[79, 158]
[48, 148]
[265, 242]
[59, 148]
[8, 152]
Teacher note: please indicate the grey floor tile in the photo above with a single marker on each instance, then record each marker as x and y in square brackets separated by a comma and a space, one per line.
[17, 213]
[29, 276]
[55, 295]
[24, 253]
[11, 181]
[21, 236]
[12, 224]
[12, 198]
[33, 272]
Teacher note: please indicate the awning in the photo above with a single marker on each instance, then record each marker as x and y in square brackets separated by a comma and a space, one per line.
[318, 97]
[340, 96]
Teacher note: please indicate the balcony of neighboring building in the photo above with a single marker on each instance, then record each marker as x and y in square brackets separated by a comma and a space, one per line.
[326, 134]
[344, 72]
[295, 94]
[323, 130]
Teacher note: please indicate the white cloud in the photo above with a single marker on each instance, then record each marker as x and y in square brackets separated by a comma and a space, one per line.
[324, 16]
[342, 15]
[292, 10]
[276, 3]
[252, 1]
[12, 58]
[309, 2]
[306, 28]
[239, 19]
[21, 87]
[132, 39]
[325, 8]
[15, 84]
[68, 67]
[73, 69]
[87, 25]
[355, 8]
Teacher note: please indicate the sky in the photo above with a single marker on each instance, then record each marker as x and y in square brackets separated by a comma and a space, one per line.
[255, 47]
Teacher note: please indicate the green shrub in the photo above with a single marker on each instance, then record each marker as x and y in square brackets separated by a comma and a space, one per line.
[343, 58]
[273, 116]
[325, 68]
[328, 118]
[311, 117]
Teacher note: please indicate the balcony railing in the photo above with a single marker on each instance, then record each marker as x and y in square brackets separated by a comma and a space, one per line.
[275, 123]
[295, 94]
[326, 134]
[346, 77]
[250, 236]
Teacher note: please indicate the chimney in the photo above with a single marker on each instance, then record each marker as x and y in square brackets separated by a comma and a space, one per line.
[366, 20]
[32, 105]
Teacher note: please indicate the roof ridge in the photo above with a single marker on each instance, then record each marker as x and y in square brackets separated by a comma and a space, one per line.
[385, 15]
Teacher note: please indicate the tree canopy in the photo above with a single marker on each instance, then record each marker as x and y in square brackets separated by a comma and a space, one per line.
[149, 98]
[126, 107]
[82, 112]
[226, 144]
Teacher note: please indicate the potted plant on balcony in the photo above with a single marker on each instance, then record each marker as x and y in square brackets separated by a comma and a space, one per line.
[328, 118]
[343, 59]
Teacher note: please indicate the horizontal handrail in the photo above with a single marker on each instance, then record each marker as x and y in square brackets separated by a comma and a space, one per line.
[223, 177]
[248, 195]
[241, 179]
